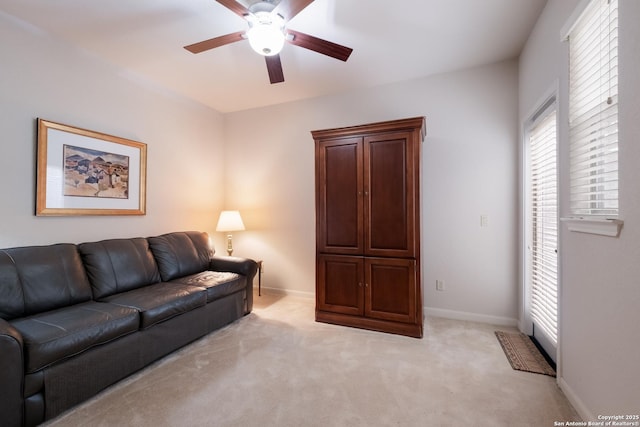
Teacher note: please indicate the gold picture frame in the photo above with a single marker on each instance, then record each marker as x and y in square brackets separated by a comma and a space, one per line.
[82, 172]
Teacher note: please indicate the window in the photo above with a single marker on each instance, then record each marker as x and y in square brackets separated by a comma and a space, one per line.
[593, 111]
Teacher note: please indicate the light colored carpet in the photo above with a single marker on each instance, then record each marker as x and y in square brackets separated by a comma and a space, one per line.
[277, 367]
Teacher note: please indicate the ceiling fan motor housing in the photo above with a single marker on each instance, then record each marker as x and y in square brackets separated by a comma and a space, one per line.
[262, 6]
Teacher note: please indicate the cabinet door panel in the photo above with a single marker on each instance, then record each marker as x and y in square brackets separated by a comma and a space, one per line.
[340, 284]
[390, 289]
[389, 195]
[339, 196]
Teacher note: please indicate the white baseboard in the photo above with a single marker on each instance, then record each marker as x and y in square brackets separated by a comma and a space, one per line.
[473, 317]
[577, 403]
[301, 294]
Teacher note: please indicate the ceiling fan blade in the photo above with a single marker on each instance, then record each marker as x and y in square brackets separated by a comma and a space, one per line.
[324, 47]
[234, 7]
[274, 67]
[290, 8]
[215, 42]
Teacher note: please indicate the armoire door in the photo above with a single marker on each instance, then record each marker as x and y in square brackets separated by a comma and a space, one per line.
[390, 289]
[339, 196]
[389, 188]
[340, 284]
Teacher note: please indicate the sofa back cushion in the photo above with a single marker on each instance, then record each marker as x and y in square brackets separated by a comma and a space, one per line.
[181, 253]
[41, 278]
[118, 265]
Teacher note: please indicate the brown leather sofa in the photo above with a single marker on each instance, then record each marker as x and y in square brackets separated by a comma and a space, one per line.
[75, 319]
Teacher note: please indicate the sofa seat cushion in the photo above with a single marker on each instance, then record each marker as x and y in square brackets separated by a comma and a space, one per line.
[217, 283]
[55, 335]
[160, 301]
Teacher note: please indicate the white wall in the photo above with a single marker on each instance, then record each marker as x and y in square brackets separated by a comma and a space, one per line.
[42, 77]
[470, 168]
[599, 338]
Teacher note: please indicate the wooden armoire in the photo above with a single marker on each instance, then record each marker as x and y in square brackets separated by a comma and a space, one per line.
[368, 226]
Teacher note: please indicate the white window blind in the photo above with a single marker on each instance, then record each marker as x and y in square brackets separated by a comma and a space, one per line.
[544, 224]
[593, 111]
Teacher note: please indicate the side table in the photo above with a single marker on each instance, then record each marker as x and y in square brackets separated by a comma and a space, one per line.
[259, 262]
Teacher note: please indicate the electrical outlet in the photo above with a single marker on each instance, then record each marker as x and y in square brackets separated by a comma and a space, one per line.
[484, 220]
[439, 285]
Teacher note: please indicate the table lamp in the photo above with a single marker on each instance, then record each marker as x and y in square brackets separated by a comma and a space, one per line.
[229, 221]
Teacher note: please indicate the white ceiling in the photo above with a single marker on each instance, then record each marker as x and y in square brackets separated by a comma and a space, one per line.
[391, 40]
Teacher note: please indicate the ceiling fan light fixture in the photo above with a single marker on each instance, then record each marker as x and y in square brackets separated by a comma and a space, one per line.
[266, 33]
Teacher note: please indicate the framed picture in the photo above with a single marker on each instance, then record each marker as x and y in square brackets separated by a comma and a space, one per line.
[81, 172]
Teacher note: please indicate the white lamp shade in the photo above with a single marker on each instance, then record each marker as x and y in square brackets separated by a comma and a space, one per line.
[230, 221]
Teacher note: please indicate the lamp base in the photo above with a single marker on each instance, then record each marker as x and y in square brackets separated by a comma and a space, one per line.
[229, 245]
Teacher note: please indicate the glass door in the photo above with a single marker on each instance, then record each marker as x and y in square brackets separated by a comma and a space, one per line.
[542, 228]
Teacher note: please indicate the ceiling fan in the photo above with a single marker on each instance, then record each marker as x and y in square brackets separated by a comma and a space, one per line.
[267, 33]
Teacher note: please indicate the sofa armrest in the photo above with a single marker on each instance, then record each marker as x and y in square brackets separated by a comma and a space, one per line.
[11, 375]
[244, 266]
